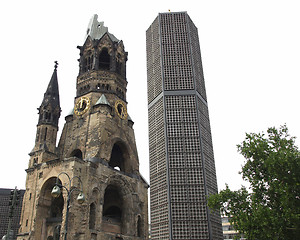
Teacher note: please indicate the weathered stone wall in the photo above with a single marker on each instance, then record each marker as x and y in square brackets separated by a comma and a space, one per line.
[95, 178]
[97, 145]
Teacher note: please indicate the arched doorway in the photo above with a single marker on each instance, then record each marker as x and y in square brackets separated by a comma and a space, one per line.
[49, 212]
[112, 210]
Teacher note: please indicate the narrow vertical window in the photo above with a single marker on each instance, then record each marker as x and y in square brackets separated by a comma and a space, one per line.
[45, 136]
[139, 227]
[104, 60]
[92, 219]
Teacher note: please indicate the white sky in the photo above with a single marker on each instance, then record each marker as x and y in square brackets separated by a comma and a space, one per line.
[250, 53]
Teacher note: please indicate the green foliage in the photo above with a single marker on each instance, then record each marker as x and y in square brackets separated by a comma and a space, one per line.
[271, 207]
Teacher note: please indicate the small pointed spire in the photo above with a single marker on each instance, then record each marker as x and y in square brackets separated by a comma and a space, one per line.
[52, 95]
[50, 108]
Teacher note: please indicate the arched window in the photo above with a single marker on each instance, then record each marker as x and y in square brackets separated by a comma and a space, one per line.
[45, 136]
[120, 158]
[112, 207]
[117, 158]
[139, 227]
[90, 62]
[76, 153]
[47, 115]
[84, 65]
[92, 219]
[104, 60]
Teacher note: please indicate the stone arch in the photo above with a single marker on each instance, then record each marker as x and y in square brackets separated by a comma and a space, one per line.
[104, 59]
[112, 210]
[120, 157]
[94, 208]
[95, 195]
[76, 153]
[113, 203]
[49, 211]
[117, 206]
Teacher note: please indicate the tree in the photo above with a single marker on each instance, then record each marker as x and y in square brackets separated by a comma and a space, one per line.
[270, 209]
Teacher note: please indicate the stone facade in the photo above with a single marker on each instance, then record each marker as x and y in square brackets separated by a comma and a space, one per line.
[97, 145]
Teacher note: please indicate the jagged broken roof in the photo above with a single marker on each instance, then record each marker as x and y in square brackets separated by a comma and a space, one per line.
[96, 30]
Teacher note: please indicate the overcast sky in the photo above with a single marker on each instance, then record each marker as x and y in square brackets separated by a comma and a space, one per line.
[250, 54]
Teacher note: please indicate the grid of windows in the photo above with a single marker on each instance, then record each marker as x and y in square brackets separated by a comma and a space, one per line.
[182, 168]
[154, 78]
[197, 62]
[187, 192]
[181, 230]
[178, 195]
[207, 147]
[177, 160]
[199, 230]
[176, 53]
[158, 173]
[198, 211]
[194, 176]
[196, 163]
[4, 211]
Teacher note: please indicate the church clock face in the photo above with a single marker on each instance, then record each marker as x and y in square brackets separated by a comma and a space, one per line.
[121, 109]
[82, 105]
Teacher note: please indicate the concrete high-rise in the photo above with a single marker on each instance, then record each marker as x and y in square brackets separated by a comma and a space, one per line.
[7, 212]
[182, 167]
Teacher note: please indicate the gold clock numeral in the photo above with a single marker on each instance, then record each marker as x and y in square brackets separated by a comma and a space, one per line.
[121, 109]
[82, 106]
[81, 103]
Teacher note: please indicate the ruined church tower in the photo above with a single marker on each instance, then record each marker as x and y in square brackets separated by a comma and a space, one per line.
[96, 155]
